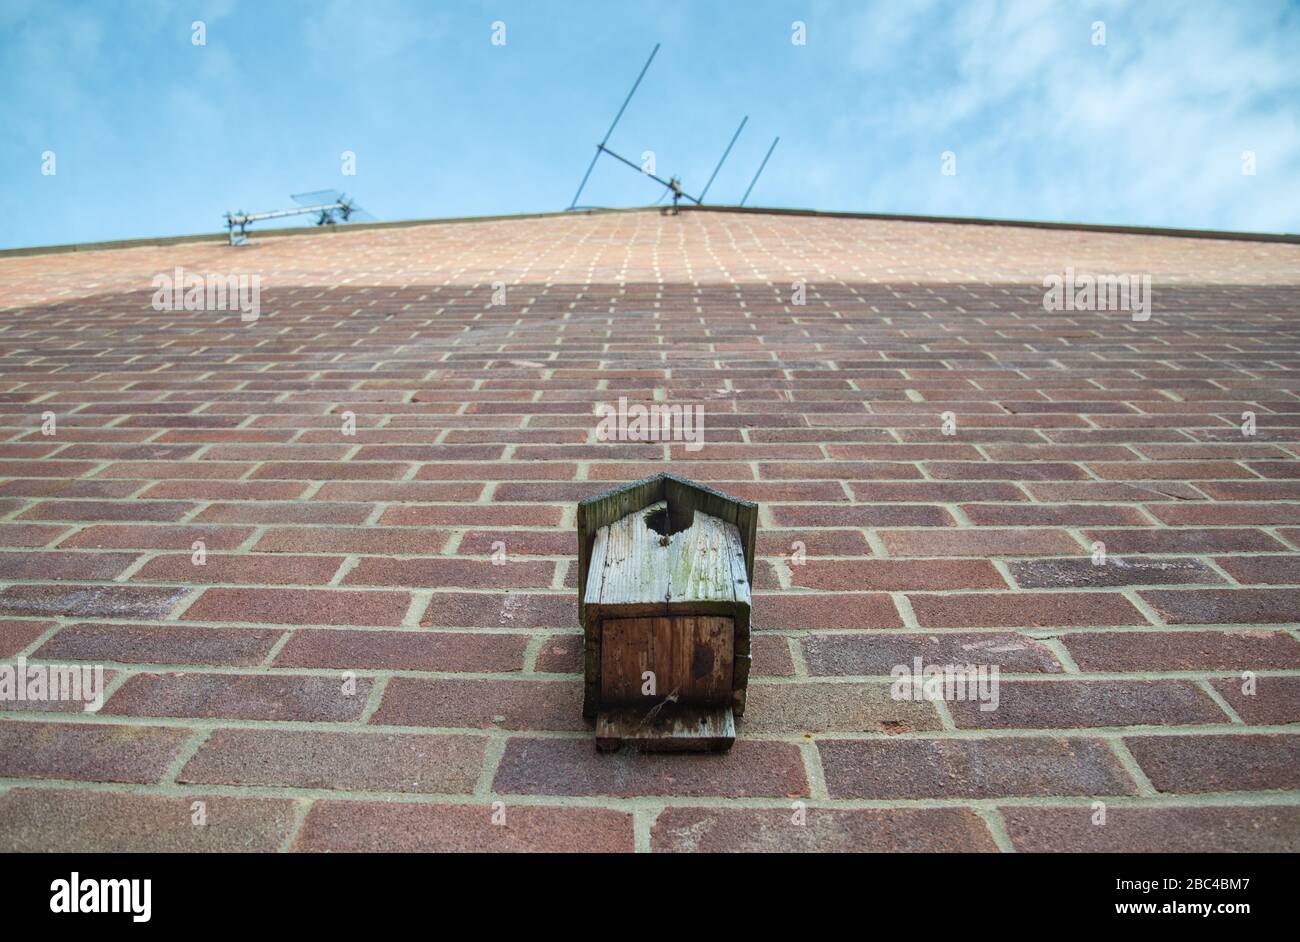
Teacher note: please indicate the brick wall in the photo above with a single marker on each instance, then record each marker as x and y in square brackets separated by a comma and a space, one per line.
[351, 668]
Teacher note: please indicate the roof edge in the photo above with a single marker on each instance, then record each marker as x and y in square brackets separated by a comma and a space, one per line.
[1227, 234]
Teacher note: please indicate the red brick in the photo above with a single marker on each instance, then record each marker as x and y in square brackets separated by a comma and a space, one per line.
[878, 653]
[1224, 606]
[1115, 571]
[228, 490]
[109, 536]
[86, 510]
[159, 644]
[563, 654]
[1229, 515]
[1182, 650]
[329, 471]
[89, 752]
[832, 707]
[68, 821]
[501, 610]
[1218, 829]
[750, 768]
[1218, 762]
[399, 491]
[1004, 471]
[251, 568]
[1167, 470]
[1024, 609]
[807, 610]
[153, 470]
[239, 697]
[1263, 570]
[1274, 702]
[770, 657]
[978, 542]
[878, 515]
[944, 491]
[1073, 704]
[971, 768]
[16, 635]
[1183, 541]
[298, 606]
[437, 573]
[303, 512]
[90, 601]
[1053, 515]
[361, 826]
[356, 761]
[891, 575]
[479, 516]
[482, 704]
[60, 566]
[352, 540]
[858, 830]
[404, 650]
[28, 535]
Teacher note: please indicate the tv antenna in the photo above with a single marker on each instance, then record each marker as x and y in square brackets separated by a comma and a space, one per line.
[672, 185]
[329, 206]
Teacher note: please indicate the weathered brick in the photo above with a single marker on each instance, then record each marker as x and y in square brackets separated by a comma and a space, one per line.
[404, 650]
[1275, 700]
[1263, 570]
[16, 635]
[750, 768]
[1225, 606]
[1183, 541]
[482, 704]
[1200, 829]
[1081, 572]
[250, 569]
[90, 601]
[1182, 650]
[824, 830]
[971, 768]
[359, 826]
[834, 708]
[1024, 609]
[108, 536]
[808, 610]
[160, 644]
[1072, 704]
[298, 606]
[501, 610]
[978, 542]
[72, 821]
[878, 653]
[354, 761]
[892, 575]
[239, 697]
[87, 752]
[1219, 762]
[438, 573]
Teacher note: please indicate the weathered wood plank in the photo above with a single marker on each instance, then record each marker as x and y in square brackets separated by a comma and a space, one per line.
[674, 729]
[690, 657]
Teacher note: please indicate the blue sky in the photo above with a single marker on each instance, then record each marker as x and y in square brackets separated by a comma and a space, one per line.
[153, 135]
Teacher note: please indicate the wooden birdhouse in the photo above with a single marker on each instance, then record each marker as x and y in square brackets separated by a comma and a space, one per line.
[664, 573]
